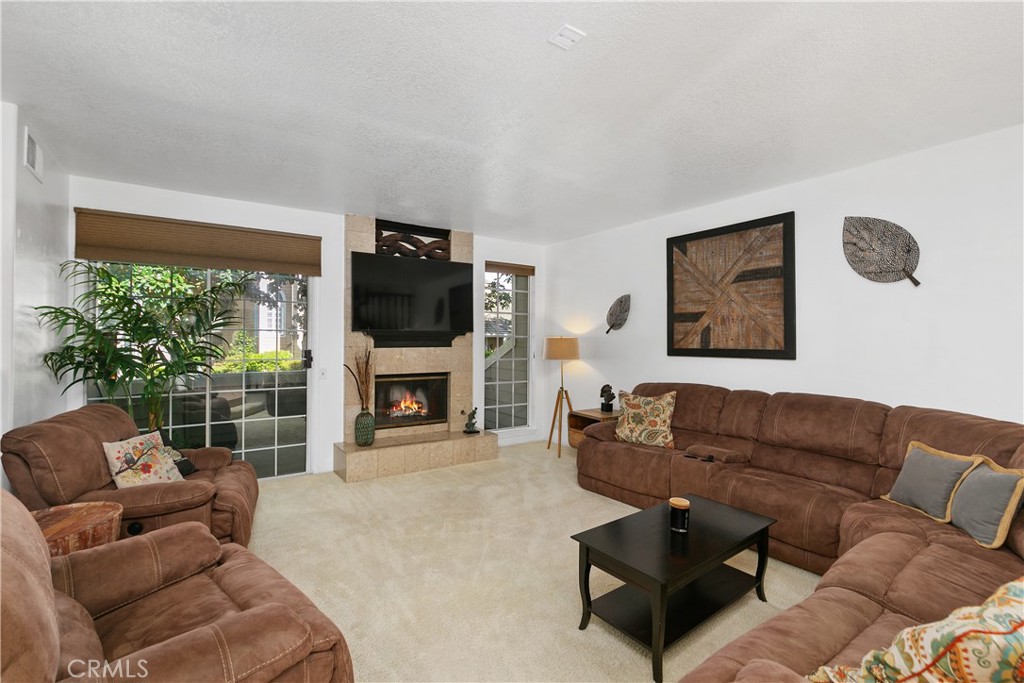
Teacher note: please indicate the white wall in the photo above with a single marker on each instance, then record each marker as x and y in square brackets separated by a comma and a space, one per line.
[34, 240]
[955, 342]
[8, 201]
[491, 249]
[326, 423]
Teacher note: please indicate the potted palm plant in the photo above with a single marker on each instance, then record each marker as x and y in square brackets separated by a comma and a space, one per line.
[120, 340]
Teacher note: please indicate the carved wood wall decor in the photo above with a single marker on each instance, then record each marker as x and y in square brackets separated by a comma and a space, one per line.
[732, 291]
[879, 250]
[413, 241]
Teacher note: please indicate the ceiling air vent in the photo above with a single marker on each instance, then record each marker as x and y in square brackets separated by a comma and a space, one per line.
[566, 37]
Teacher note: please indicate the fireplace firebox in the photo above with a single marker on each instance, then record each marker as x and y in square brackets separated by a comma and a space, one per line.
[410, 400]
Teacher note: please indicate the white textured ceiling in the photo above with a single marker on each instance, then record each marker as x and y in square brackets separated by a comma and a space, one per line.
[463, 116]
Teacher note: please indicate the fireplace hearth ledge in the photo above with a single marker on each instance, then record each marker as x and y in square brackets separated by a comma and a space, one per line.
[391, 455]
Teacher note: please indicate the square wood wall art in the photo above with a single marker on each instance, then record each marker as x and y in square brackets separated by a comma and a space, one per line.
[732, 291]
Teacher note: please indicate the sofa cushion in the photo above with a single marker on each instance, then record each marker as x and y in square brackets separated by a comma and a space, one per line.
[698, 406]
[848, 428]
[30, 646]
[986, 502]
[239, 582]
[43, 446]
[948, 431]
[741, 413]
[646, 420]
[802, 637]
[173, 610]
[879, 632]
[929, 479]
[78, 640]
[761, 670]
[691, 476]
[923, 579]
[808, 512]
[235, 504]
[249, 581]
[602, 431]
[641, 469]
[107, 576]
[849, 474]
[971, 644]
[864, 520]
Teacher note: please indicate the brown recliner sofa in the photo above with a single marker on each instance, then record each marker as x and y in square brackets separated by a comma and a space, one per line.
[173, 605]
[60, 461]
[819, 465]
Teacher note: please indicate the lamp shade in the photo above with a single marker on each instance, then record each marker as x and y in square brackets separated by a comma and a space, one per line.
[562, 348]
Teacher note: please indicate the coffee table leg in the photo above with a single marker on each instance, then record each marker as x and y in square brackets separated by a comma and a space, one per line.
[585, 585]
[659, 603]
[762, 563]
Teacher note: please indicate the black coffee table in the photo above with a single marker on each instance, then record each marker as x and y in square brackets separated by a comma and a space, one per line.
[674, 581]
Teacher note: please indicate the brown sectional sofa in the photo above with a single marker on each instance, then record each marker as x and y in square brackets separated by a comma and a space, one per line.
[819, 464]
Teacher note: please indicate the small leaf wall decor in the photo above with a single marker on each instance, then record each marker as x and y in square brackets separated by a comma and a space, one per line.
[618, 313]
[880, 250]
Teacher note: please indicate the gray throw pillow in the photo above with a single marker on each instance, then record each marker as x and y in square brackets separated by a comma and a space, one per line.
[986, 502]
[928, 480]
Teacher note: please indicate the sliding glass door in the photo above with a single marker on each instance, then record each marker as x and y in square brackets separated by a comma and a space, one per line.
[254, 402]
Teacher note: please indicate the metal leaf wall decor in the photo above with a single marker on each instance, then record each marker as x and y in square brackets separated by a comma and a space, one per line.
[618, 313]
[879, 250]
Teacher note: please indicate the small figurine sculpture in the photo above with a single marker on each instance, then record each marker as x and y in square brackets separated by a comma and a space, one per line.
[608, 395]
[470, 422]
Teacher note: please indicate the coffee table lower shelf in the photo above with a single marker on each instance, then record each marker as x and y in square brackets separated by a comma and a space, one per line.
[628, 608]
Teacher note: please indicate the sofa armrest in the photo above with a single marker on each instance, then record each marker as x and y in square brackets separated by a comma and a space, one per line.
[111, 575]
[209, 457]
[715, 454]
[253, 646]
[602, 431]
[761, 670]
[154, 499]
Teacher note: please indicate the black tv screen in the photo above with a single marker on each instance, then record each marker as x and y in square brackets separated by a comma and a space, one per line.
[408, 295]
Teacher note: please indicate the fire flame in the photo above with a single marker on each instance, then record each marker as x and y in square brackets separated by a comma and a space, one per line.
[407, 406]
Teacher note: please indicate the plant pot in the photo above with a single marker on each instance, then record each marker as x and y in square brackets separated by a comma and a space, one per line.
[364, 428]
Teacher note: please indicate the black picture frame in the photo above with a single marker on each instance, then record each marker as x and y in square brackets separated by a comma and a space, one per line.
[732, 290]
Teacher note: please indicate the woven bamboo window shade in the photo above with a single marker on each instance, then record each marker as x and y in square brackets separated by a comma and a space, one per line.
[508, 268]
[131, 238]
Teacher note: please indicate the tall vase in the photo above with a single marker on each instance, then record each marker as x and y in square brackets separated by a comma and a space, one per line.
[364, 428]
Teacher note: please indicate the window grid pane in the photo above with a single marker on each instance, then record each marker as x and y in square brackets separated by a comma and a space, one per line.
[506, 350]
[254, 402]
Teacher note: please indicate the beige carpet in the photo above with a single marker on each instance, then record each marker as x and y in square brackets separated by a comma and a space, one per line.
[468, 573]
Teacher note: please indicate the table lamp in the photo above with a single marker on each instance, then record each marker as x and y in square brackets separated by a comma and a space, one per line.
[560, 349]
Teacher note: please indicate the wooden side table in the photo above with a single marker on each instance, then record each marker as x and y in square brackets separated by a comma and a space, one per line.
[78, 526]
[581, 419]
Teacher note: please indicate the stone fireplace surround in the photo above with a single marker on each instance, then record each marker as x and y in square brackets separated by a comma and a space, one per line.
[422, 447]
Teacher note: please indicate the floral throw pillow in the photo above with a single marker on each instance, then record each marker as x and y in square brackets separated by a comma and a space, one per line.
[140, 460]
[983, 643]
[646, 420]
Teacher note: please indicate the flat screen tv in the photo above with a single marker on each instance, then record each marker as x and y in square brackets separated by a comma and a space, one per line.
[403, 301]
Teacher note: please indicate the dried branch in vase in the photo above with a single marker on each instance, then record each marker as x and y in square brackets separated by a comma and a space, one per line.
[363, 375]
